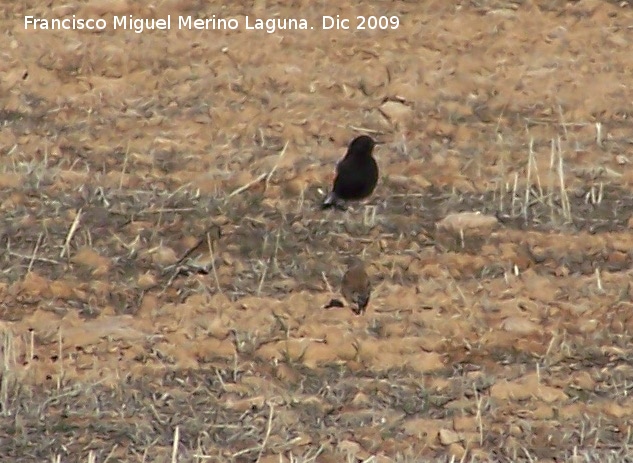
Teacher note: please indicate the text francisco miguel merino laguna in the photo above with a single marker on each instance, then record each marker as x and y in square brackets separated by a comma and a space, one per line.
[139, 25]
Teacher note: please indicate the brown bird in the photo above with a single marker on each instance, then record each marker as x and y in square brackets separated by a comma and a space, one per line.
[356, 287]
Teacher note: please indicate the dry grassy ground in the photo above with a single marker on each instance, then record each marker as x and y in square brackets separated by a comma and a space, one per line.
[119, 152]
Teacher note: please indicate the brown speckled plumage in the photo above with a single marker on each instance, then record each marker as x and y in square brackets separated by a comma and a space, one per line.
[356, 287]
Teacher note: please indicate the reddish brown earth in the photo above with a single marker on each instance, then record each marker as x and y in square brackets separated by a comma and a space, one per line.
[506, 341]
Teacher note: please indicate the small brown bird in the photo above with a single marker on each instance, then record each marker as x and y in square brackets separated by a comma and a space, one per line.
[356, 287]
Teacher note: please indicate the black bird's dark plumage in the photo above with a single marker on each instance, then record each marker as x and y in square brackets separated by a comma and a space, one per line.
[356, 174]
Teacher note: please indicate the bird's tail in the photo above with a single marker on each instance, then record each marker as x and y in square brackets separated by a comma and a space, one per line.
[329, 201]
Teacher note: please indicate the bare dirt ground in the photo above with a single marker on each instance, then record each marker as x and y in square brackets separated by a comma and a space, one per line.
[119, 152]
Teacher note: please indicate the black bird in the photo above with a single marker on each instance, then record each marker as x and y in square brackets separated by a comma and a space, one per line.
[356, 174]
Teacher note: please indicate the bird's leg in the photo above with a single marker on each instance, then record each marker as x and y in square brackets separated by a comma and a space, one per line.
[340, 205]
[369, 216]
[347, 216]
